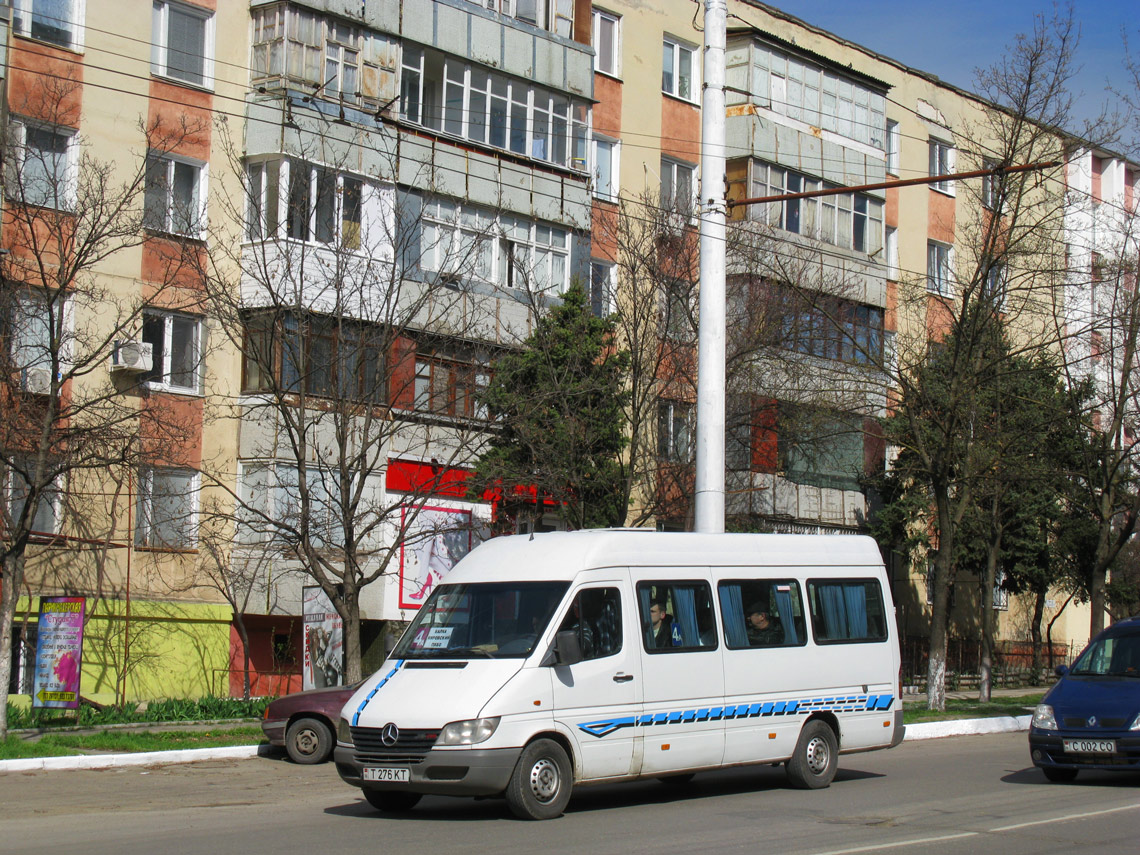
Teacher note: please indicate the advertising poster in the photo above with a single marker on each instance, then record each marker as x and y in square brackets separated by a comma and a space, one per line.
[436, 540]
[59, 653]
[324, 641]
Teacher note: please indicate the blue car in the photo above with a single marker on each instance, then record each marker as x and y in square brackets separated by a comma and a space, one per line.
[1091, 718]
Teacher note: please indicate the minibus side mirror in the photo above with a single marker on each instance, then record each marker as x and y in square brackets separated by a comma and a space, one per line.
[567, 651]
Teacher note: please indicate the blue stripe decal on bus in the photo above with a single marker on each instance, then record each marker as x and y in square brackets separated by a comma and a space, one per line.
[606, 726]
[375, 689]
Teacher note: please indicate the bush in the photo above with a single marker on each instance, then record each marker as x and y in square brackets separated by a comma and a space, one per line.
[89, 715]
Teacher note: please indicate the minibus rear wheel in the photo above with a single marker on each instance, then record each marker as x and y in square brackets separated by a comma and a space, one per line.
[541, 783]
[813, 765]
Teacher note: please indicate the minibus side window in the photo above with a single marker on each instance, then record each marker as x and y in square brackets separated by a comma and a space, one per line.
[595, 615]
[848, 610]
[762, 613]
[676, 616]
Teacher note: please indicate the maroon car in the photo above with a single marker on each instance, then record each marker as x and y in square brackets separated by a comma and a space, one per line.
[305, 722]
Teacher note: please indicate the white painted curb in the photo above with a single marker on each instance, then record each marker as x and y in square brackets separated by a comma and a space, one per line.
[967, 727]
[147, 758]
[924, 730]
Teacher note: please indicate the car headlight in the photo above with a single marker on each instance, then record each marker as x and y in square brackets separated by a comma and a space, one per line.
[1043, 718]
[1135, 723]
[470, 732]
[343, 732]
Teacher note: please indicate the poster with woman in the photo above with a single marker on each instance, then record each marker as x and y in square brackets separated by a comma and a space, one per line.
[436, 539]
[324, 641]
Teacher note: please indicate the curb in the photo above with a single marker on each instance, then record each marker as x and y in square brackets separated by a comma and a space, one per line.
[914, 732]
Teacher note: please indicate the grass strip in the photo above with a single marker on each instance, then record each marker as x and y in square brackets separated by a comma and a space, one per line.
[915, 711]
[126, 742]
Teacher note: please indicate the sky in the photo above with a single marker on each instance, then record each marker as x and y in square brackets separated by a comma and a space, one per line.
[952, 39]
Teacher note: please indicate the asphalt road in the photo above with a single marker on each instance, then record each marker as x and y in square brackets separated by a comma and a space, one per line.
[948, 796]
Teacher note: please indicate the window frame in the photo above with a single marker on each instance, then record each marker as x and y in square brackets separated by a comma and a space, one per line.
[675, 167]
[671, 82]
[597, 17]
[894, 141]
[586, 621]
[457, 384]
[160, 46]
[159, 377]
[647, 586]
[606, 190]
[672, 446]
[941, 256]
[145, 523]
[816, 620]
[801, 627]
[603, 287]
[70, 178]
[51, 498]
[943, 158]
[167, 188]
[23, 14]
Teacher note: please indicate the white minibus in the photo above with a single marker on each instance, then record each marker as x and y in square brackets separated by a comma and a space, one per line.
[550, 661]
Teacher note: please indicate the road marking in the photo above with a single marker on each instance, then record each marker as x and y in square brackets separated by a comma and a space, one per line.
[878, 846]
[1065, 818]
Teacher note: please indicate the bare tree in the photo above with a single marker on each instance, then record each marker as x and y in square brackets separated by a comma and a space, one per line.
[70, 431]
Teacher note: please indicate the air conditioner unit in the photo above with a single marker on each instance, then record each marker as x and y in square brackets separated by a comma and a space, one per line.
[37, 381]
[131, 357]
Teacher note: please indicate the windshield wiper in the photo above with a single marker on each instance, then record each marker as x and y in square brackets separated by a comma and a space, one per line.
[470, 651]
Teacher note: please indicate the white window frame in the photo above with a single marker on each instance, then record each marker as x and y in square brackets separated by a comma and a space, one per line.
[24, 10]
[675, 48]
[893, 150]
[891, 243]
[671, 168]
[606, 189]
[144, 523]
[603, 277]
[66, 194]
[160, 48]
[943, 158]
[669, 415]
[609, 65]
[314, 170]
[162, 361]
[51, 497]
[170, 214]
[940, 280]
[33, 309]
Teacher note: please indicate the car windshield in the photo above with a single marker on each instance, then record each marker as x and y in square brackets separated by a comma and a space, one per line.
[1110, 656]
[486, 620]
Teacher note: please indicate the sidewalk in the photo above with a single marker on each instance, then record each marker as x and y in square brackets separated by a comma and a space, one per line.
[922, 730]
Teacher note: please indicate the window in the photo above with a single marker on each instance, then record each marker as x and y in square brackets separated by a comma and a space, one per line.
[323, 206]
[605, 169]
[167, 508]
[995, 285]
[56, 21]
[762, 613]
[28, 328]
[678, 187]
[893, 141]
[595, 618]
[677, 303]
[45, 517]
[1001, 595]
[557, 16]
[319, 355]
[676, 616]
[445, 94]
[602, 287]
[464, 241]
[678, 75]
[942, 158]
[45, 166]
[273, 508]
[938, 269]
[991, 187]
[892, 241]
[450, 387]
[674, 428]
[175, 348]
[174, 197]
[829, 327]
[607, 43]
[182, 43]
[846, 611]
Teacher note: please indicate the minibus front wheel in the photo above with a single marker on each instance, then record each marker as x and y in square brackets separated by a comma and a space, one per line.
[541, 783]
[813, 765]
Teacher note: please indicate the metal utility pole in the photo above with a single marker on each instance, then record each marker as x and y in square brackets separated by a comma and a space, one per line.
[709, 509]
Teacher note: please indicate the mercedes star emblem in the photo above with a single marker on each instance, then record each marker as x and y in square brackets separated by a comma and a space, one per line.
[390, 734]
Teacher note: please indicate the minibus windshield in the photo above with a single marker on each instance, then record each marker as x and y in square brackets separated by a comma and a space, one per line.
[1110, 656]
[496, 620]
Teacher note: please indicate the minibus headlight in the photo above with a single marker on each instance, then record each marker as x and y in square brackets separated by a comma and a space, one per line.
[470, 732]
[343, 732]
[1043, 718]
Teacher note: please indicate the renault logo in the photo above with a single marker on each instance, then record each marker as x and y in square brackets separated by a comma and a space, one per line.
[390, 735]
[1092, 721]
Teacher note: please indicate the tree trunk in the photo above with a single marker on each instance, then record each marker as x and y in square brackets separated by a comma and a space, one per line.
[985, 684]
[939, 624]
[1097, 600]
[1035, 631]
[351, 617]
[10, 583]
[244, 636]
